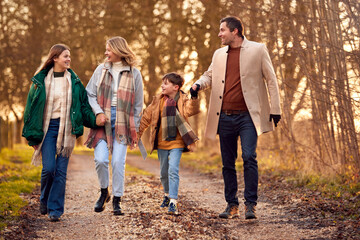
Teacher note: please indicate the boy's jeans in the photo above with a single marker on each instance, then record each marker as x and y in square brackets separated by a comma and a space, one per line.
[169, 170]
[101, 154]
[53, 174]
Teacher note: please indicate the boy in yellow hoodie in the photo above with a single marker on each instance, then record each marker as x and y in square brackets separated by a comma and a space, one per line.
[170, 133]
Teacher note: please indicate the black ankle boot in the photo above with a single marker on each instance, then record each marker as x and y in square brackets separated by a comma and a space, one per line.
[117, 206]
[104, 198]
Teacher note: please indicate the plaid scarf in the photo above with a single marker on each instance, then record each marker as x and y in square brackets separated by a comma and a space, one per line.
[65, 142]
[125, 129]
[172, 121]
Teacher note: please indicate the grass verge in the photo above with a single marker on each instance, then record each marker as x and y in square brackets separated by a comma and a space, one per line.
[17, 177]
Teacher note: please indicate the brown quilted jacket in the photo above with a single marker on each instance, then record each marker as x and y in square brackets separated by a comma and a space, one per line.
[151, 116]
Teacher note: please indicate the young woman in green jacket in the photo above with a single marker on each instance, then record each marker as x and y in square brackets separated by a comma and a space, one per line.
[56, 112]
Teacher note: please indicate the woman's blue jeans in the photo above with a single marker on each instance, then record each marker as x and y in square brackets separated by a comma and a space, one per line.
[169, 170]
[53, 174]
[230, 128]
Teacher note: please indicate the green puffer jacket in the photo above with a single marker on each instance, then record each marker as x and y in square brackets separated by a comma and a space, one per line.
[81, 113]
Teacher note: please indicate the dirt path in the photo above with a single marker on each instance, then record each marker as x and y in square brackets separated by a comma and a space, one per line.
[201, 200]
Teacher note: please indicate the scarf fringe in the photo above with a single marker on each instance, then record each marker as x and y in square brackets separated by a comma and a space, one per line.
[172, 121]
[36, 158]
[66, 152]
[65, 139]
[124, 112]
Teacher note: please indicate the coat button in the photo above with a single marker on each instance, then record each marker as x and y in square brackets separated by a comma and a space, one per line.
[217, 113]
[220, 97]
[222, 81]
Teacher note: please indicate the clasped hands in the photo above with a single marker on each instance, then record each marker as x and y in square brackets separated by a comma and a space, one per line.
[194, 90]
[101, 119]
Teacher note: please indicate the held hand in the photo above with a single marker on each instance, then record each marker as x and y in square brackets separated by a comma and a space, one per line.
[132, 147]
[101, 119]
[194, 90]
[192, 147]
[195, 87]
[138, 138]
[276, 118]
[35, 147]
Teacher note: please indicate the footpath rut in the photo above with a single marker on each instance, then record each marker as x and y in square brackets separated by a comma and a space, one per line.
[200, 198]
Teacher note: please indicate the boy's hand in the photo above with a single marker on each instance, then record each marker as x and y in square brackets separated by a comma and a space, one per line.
[138, 137]
[194, 90]
[134, 146]
[192, 147]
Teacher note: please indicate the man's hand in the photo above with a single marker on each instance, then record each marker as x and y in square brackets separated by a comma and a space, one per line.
[276, 118]
[35, 147]
[101, 119]
[194, 90]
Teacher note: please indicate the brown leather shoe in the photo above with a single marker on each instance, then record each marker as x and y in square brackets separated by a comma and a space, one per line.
[250, 211]
[231, 211]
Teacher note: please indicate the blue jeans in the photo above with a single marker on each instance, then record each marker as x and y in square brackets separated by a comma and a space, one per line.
[53, 174]
[230, 128]
[169, 170]
[101, 155]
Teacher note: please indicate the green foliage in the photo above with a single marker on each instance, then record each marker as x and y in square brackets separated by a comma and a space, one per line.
[130, 170]
[17, 176]
[330, 186]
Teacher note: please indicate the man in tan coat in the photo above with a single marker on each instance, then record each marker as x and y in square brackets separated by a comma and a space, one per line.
[242, 80]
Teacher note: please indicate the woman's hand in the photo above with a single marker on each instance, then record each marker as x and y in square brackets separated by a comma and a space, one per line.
[101, 119]
[35, 147]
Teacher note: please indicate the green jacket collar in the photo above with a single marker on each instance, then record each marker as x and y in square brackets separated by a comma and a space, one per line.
[40, 77]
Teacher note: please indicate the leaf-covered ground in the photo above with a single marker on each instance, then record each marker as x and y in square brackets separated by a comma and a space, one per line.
[284, 212]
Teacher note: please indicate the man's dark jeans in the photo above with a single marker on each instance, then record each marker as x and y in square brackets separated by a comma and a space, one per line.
[230, 128]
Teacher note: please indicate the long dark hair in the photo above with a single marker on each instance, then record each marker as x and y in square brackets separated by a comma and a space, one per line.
[55, 52]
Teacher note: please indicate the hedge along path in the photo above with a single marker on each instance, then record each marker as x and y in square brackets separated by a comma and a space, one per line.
[200, 198]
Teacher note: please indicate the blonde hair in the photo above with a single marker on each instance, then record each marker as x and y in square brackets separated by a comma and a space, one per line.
[55, 52]
[120, 47]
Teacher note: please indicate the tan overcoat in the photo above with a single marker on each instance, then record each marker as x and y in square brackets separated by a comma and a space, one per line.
[258, 82]
[151, 116]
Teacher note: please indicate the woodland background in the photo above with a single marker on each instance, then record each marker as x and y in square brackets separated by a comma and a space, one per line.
[314, 46]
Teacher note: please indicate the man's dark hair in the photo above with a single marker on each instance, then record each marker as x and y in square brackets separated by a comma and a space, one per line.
[174, 78]
[232, 23]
